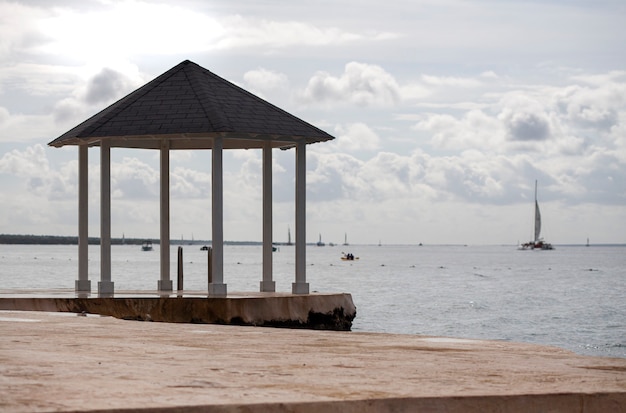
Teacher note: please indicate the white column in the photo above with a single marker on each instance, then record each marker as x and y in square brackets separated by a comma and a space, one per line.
[267, 285]
[82, 284]
[105, 285]
[165, 283]
[300, 286]
[217, 288]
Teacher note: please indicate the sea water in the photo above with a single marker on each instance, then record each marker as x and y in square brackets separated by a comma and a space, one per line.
[573, 297]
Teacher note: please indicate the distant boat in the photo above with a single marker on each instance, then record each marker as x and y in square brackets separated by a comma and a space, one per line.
[348, 257]
[320, 243]
[289, 236]
[538, 242]
[146, 246]
[587, 242]
[345, 239]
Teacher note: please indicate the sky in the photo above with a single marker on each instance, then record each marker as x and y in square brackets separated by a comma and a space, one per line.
[445, 113]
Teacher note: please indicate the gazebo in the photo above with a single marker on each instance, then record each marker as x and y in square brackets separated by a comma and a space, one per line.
[188, 107]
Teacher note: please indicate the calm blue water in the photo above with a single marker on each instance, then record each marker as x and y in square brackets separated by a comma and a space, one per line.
[571, 297]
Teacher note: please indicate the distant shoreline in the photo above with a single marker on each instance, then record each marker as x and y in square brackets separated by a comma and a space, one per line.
[21, 239]
[73, 240]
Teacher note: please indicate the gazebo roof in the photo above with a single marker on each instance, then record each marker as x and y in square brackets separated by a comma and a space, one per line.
[188, 105]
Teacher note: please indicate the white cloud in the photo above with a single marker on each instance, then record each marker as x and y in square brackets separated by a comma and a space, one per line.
[526, 126]
[18, 28]
[18, 127]
[38, 80]
[361, 84]
[466, 82]
[444, 106]
[355, 137]
[261, 81]
[149, 29]
[474, 130]
[73, 94]
[134, 179]
[187, 183]
[107, 86]
[32, 162]
[592, 107]
[193, 31]
[32, 167]
[602, 79]
[414, 91]
[252, 32]
[524, 118]
[489, 74]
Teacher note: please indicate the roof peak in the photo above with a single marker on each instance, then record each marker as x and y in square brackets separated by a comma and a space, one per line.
[189, 100]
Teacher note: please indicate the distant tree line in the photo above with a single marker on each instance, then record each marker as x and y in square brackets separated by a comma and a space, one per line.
[73, 240]
[63, 240]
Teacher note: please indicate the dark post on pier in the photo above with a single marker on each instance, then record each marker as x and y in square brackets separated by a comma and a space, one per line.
[210, 262]
[180, 269]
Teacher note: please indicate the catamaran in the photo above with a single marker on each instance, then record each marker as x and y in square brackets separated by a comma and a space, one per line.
[538, 242]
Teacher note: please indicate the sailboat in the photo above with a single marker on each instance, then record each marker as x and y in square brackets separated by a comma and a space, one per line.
[538, 242]
[345, 238]
[320, 243]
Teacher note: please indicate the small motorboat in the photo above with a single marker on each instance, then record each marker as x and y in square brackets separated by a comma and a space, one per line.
[146, 246]
[348, 257]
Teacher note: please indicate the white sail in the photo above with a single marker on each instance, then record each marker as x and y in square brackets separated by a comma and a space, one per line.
[320, 243]
[537, 222]
[537, 243]
[537, 216]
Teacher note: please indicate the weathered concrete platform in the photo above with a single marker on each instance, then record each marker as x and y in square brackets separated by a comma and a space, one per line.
[64, 362]
[313, 311]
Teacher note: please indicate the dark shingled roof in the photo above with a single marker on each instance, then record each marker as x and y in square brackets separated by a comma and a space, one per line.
[186, 105]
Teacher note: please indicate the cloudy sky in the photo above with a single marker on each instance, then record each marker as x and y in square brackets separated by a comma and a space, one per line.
[445, 113]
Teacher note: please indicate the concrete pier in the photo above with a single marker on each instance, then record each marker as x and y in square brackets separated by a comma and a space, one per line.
[65, 362]
[312, 311]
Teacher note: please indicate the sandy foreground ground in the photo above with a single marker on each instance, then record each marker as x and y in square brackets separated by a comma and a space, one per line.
[68, 362]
